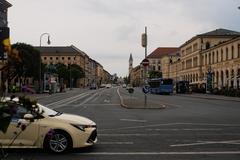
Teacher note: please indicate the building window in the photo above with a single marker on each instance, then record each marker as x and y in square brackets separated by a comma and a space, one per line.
[205, 59]
[221, 57]
[238, 50]
[209, 58]
[213, 57]
[56, 58]
[69, 58]
[50, 58]
[207, 45]
[62, 58]
[226, 53]
[189, 50]
[45, 58]
[195, 47]
[154, 68]
[232, 52]
[159, 68]
[217, 57]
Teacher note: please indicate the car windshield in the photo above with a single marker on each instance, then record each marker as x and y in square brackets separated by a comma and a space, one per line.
[48, 112]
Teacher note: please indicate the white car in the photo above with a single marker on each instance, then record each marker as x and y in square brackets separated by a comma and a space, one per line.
[48, 129]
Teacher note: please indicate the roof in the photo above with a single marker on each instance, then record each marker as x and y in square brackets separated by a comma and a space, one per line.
[130, 58]
[221, 32]
[59, 50]
[5, 4]
[215, 33]
[163, 51]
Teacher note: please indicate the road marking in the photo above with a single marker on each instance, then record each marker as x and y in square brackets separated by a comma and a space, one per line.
[106, 101]
[133, 120]
[116, 143]
[171, 124]
[162, 153]
[185, 129]
[63, 102]
[88, 99]
[103, 104]
[232, 142]
[160, 134]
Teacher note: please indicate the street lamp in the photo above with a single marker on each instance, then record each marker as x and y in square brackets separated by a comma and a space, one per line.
[40, 70]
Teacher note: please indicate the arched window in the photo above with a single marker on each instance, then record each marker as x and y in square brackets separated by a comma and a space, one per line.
[217, 57]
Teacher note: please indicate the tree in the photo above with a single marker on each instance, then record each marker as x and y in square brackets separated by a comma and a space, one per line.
[155, 74]
[30, 61]
[63, 72]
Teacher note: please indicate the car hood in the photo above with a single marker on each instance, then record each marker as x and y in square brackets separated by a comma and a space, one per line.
[74, 119]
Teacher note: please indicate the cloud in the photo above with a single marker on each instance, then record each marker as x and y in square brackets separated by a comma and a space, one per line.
[109, 30]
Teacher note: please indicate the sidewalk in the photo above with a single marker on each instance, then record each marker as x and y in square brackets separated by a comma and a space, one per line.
[136, 100]
[210, 96]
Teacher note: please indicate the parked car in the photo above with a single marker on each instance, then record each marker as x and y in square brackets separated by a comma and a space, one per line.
[108, 86]
[46, 128]
[28, 88]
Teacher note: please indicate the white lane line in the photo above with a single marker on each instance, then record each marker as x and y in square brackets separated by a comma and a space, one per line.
[103, 104]
[172, 124]
[88, 99]
[67, 100]
[133, 120]
[160, 134]
[162, 153]
[235, 142]
[116, 143]
[185, 129]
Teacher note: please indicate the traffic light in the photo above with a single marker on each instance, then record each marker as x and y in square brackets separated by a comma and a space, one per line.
[5, 46]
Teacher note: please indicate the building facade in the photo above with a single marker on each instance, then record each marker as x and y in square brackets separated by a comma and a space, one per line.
[4, 5]
[215, 52]
[68, 55]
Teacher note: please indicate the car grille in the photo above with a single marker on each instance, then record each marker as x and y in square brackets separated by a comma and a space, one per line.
[92, 137]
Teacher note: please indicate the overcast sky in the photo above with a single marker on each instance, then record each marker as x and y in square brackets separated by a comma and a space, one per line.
[109, 30]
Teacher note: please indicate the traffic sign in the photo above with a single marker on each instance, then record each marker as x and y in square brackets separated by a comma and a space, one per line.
[145, 89]
[145, 62]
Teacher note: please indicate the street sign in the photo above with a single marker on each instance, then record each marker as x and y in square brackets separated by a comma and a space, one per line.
[145, 89]
[145, 62]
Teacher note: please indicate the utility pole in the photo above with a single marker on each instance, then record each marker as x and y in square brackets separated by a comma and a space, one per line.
[145, 63]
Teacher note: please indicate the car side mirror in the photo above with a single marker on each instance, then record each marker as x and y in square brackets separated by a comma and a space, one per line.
[28, 117]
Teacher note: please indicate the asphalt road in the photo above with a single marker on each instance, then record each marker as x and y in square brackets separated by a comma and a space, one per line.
[188, 128]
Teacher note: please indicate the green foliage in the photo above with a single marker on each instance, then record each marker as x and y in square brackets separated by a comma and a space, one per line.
[29, 65]
[155, 74]
[8, 108]
[63, 71]
[77, 72]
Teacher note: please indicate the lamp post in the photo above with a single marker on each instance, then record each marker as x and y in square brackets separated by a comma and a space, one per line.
[40, 66]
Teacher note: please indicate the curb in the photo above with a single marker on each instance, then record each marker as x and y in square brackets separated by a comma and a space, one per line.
[210, 98]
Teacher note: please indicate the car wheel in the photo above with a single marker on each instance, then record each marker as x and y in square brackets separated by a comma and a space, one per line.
[59, 142]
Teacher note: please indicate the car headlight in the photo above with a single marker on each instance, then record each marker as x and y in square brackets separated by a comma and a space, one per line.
[83, 127]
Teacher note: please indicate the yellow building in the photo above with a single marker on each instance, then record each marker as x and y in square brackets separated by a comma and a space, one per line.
[72, 55]
[215, 52]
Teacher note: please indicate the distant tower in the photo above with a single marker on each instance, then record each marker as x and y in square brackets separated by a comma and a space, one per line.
[130, 64]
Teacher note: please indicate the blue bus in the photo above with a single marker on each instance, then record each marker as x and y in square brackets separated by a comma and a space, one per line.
[161, 85]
